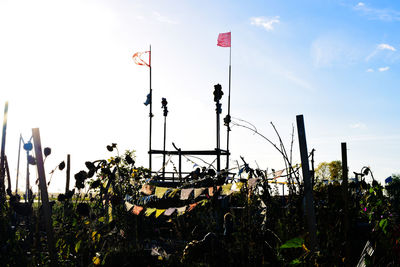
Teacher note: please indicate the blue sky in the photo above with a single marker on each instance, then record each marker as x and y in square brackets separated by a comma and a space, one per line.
[66, 67]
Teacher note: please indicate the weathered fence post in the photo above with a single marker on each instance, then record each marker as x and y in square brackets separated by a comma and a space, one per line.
[345, 182]
[2, 160]
[310, 213]
[19, 157]
[68, 173]
[9, 192]
[45, 198]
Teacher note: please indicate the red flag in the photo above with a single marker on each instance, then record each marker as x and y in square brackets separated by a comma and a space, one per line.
[139, 61]
[224, 39]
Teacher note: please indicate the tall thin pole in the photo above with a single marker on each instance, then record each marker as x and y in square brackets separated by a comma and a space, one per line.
[45, 198]
[345, 198]
[8, 176]
[217, 97]
[165, 136]
[2, 161]
[312, 168]
[151, 110]
[309, 201]
[164, 103]
[27, 190]
[218, 139]
[19, 158]
[228, 120]
[68, 173]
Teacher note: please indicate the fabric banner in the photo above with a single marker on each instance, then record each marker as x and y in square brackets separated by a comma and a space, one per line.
[148, 100]
[181, 210]
[224, 39]
[173, 192]
[169, 211]
[237, 186]
[159, 212]
[149, 211]
[128, 206]
[185, 193]
[192, 206]
[252, 182]
[278, 174]
[211, 191]
[160, 191]
[139, 61]
[137, 209]
[198, 191]
[226, 189]
[202, 202]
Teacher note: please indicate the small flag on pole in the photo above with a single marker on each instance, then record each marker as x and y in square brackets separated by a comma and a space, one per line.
[224, 39]
[139, 61]
[148, 99]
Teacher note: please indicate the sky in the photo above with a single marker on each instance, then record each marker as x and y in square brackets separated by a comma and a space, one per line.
[66, 68]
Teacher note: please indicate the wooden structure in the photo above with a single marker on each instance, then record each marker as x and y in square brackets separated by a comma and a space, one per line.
[217, 152]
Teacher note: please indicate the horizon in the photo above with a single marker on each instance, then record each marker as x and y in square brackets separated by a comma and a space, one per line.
[67, 69]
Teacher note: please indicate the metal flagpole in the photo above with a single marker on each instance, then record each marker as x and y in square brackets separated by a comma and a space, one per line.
[228, 117]
[150, 114]
[165, 113]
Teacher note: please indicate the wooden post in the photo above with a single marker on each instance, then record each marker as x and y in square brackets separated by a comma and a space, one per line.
[345, 182]
[8, 176]
[165, 136]
[45, 198]
[68, 173]
[180, 165]
[27, 185]
[310, 213]
[312, 168]
[3, 148]
[19, 157]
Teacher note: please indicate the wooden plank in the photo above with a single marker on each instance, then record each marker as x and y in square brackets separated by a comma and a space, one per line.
[43, 190]
[191, 152]
[345, 182]
[310, 213]
[19, 157]
[68, 173]
[2, 160]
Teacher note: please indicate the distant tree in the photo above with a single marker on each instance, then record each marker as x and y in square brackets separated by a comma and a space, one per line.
[329, 171]
[335, 169]
[322, 171]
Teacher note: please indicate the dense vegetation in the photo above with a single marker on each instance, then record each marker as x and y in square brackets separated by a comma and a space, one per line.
[94, 224]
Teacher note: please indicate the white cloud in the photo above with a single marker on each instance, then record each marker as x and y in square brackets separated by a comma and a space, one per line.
[381, 47]
[163, 19]
[370, 70]
[386, 47]
[384, 69]
[384, 14]
[266, 23]
[358, 125]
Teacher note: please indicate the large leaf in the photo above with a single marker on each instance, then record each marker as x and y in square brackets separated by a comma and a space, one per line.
[383, 224]
[296, 242]
[77, 246]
